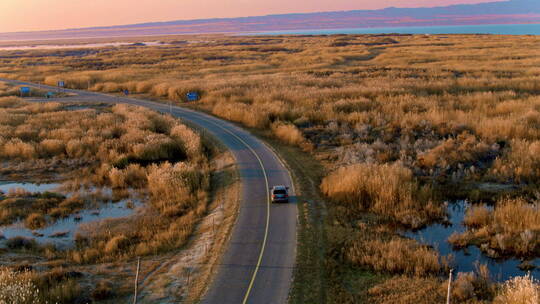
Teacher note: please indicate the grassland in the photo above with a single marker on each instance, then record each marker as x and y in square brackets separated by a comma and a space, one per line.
[122, 148]
[399, 124]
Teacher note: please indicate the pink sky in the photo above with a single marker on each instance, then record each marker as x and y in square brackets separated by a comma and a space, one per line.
[26, 15]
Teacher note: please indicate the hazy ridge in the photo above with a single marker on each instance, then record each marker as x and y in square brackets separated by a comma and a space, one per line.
[501, 12]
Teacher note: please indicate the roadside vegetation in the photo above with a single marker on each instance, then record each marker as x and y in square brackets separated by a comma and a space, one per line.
[396, 125]
[511, 228]
[103, 155]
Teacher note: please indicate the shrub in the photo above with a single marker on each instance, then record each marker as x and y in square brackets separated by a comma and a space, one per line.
[117, 178]
[399, 256]
[16, 148]
[190, 139]
[158, 147]
[520, 163]
[242, 113]
[103, 291]
[389, 190]
[477, 216]
[355, 105]
[20, 242]
[116, 244]
[8, 102]
[35, 221]
[466, 149]
[288, 133]
[60, 212]
[174, 189]
[68, 291]
[519, 290]
[407, 290]
[134, 176]
[53, 147]
[76, 148]
[475, 285]
[17, 288]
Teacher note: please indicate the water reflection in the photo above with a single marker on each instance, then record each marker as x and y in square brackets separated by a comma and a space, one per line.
[437, 235]
[29, 187]
[62, 232]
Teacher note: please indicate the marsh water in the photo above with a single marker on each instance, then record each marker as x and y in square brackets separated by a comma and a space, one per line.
[62, 232]
[5, 186]
[465, 260]
[77, 46]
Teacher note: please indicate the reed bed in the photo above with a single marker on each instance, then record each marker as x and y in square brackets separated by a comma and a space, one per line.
[401, 123]
[124, 148]
[509, 229]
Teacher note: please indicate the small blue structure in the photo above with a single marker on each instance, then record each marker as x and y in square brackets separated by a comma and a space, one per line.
[25, 90]
[192, 96]
[61, 84]
[49, 94]
[126, 92]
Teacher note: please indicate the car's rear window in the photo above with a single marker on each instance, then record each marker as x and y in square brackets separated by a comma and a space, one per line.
[280, 192]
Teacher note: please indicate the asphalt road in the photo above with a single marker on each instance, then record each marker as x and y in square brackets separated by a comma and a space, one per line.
[257, 265]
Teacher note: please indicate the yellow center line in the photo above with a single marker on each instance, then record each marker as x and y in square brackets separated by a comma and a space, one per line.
[254, 276]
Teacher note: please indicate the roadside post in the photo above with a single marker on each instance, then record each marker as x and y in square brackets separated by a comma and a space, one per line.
[137, 280]
[61, 84]
[449, 287]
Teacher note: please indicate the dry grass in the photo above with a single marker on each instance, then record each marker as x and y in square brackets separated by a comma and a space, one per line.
[35, 221]
[389, 190]
[520, 164]
[288, 133]
[122, 148]
[477, 216]
[473, 287]
[31, 208]
[438, 104]
[58, 285]
[397, 256]
[510, 229]
[17, 288]
[520, 290]
[397, 124]
[405, 290]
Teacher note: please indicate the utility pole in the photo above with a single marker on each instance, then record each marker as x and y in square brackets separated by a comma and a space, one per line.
[137, 280]
[449, 287]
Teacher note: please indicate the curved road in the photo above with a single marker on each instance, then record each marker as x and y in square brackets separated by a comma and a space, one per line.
[258, 261]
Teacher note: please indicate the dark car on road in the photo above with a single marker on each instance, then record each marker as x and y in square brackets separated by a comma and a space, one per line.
[279, 194]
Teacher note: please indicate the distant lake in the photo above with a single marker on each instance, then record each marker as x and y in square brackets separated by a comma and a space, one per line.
[77, 46]
[497, 29]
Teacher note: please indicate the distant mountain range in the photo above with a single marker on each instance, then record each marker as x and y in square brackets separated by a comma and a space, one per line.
[501, 12]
